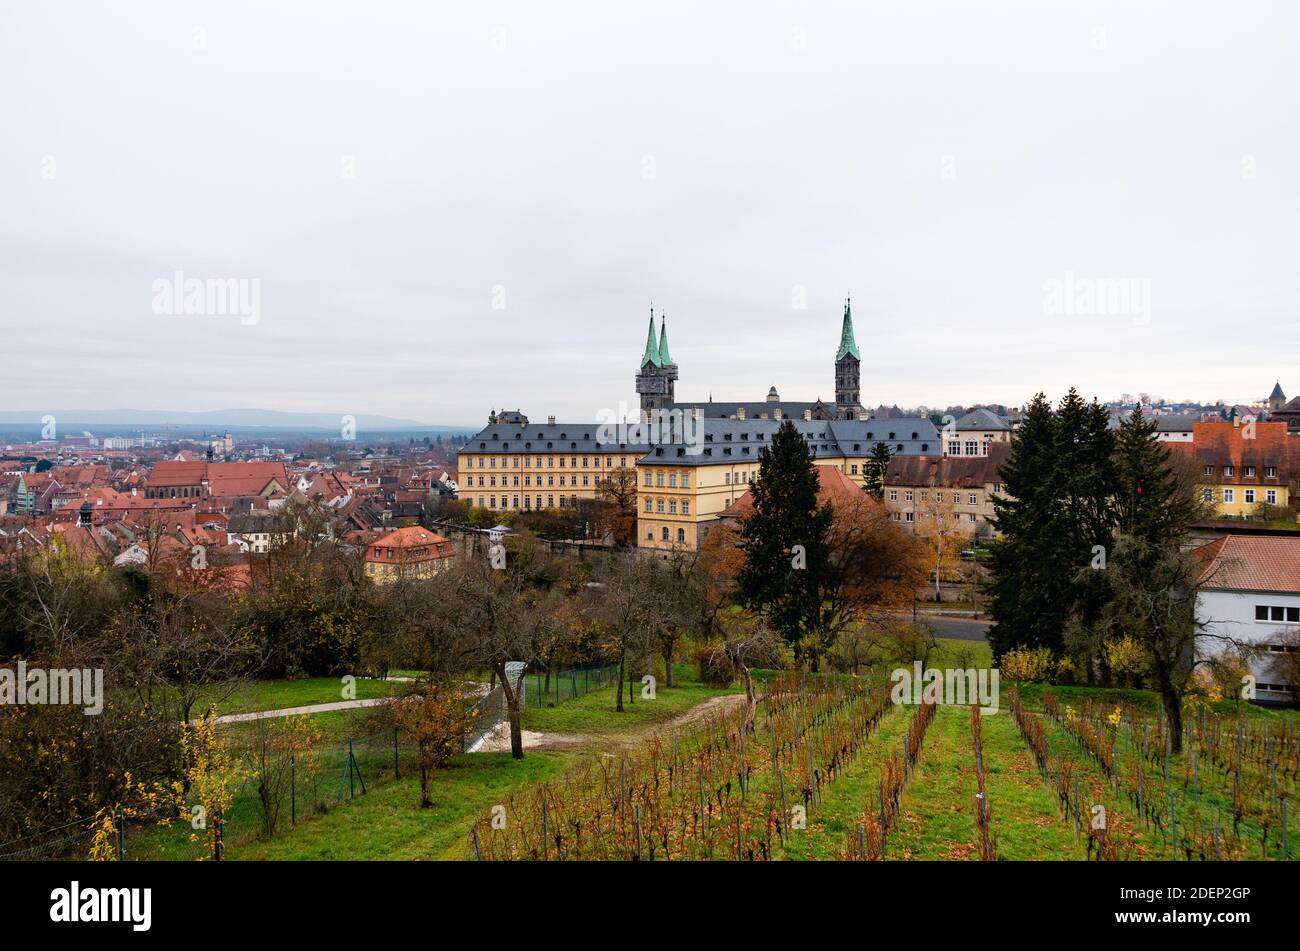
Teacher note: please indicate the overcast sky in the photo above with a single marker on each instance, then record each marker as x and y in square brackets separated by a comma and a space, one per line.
[455, 207]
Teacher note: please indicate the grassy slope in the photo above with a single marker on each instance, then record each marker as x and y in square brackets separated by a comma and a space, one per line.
[937, 818]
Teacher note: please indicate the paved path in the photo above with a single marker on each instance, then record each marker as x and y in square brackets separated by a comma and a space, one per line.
[298, 711]
[961, 628]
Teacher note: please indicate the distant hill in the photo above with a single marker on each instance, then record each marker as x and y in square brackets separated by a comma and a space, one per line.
[70, 420]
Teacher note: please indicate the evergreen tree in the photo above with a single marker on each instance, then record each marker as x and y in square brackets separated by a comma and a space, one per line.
[1153, 502]
[874, 469]
[1025, 594]
[784, 541]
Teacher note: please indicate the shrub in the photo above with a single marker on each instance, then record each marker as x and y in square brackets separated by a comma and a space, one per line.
[1027, 664]
[715, 667]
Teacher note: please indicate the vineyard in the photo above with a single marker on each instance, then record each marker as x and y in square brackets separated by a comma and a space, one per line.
[829, 768]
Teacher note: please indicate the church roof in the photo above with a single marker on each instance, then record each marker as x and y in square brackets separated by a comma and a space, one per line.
[664, 358]
[651, 355]
[847, 343]
[1277, 393]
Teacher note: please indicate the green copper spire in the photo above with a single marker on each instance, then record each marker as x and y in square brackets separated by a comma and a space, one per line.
[664, 358]
[651, 354]
[847, 343]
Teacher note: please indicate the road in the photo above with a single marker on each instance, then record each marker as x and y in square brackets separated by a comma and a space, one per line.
[961, 628]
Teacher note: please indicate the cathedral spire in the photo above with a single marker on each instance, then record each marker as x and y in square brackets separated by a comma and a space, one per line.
[847, 343]
[664, 358]
[651, 354]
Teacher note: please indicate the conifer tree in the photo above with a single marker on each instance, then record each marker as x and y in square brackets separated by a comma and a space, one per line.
[784, 543]
[875, 468]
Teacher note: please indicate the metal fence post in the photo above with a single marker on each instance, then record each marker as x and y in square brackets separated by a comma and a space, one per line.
[397, 772]
[121, 834]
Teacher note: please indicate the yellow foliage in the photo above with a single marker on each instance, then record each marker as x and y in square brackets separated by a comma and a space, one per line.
[1027, 664]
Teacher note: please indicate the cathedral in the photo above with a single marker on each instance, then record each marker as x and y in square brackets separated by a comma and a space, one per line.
[657, 378]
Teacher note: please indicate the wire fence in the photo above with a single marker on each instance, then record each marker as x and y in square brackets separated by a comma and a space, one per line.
[541, 689]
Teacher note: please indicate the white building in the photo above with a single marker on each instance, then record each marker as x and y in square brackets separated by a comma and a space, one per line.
[1250, 591]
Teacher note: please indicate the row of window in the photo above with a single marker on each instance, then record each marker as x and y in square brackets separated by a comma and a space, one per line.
[664, 535]
[657, 479]
[1277, 613]
[513, 502]
[1247, 472]
[956, 517]
[972, 498]
[672, 506]
[587, 462]
[973, 448]
[1247, 495]
[528, 480]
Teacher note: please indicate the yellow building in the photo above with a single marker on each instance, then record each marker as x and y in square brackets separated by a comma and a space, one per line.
[1242, 466]
[407, 553]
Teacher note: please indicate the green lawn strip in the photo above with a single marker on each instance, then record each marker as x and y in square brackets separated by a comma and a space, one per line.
[594, 713]
[388, 823]
[1146, 700]
[835, 817]
[937, 816]
[1025, 819]
[956, 652]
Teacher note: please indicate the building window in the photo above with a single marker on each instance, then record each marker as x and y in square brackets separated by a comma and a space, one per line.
[1208, 495]
[954, 449]
[1271, 496]
[1209, 470]
[681, 536]
[1249, 495]
[686, 507]
[974, 499]
[1277, 614]
[907, 496]
[907, 517]
[648, 483]
[1227, 472]
[972, 448]
[893, 495]
[647, 505]
[1250, 472]
[659, 505]
[664, 536]
[672, 506]
[1229, 495]
[1270, 472]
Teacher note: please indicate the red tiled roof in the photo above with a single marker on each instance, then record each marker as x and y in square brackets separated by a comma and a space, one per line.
[1217, 444]
[832, 486]
[411, 544]
[169, 473]
[1250, 563]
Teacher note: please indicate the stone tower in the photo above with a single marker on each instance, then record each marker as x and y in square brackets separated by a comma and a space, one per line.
[655, 381]
[1276, 399]
[848, 370]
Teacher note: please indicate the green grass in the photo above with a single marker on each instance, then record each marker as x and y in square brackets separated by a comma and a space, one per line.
[835, 818]
[937, 817]
[281, 694]
[594, 713]
[388, 823]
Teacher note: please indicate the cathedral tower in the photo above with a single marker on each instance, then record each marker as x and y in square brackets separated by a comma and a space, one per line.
[848, 367]
[655, 381]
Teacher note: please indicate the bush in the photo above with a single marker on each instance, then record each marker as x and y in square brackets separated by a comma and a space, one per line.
[1027, 665]
[715, 667]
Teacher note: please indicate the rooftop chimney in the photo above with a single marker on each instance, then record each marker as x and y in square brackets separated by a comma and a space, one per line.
[807, 415]
[740, 412]
[550, 420]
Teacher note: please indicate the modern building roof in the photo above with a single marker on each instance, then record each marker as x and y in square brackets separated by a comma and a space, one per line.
[1250, 563]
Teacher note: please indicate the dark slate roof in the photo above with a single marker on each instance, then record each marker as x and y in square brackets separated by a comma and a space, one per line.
[982, 420]
[546, 437]
[1277, 393]
[755, 409]
[741, 440]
